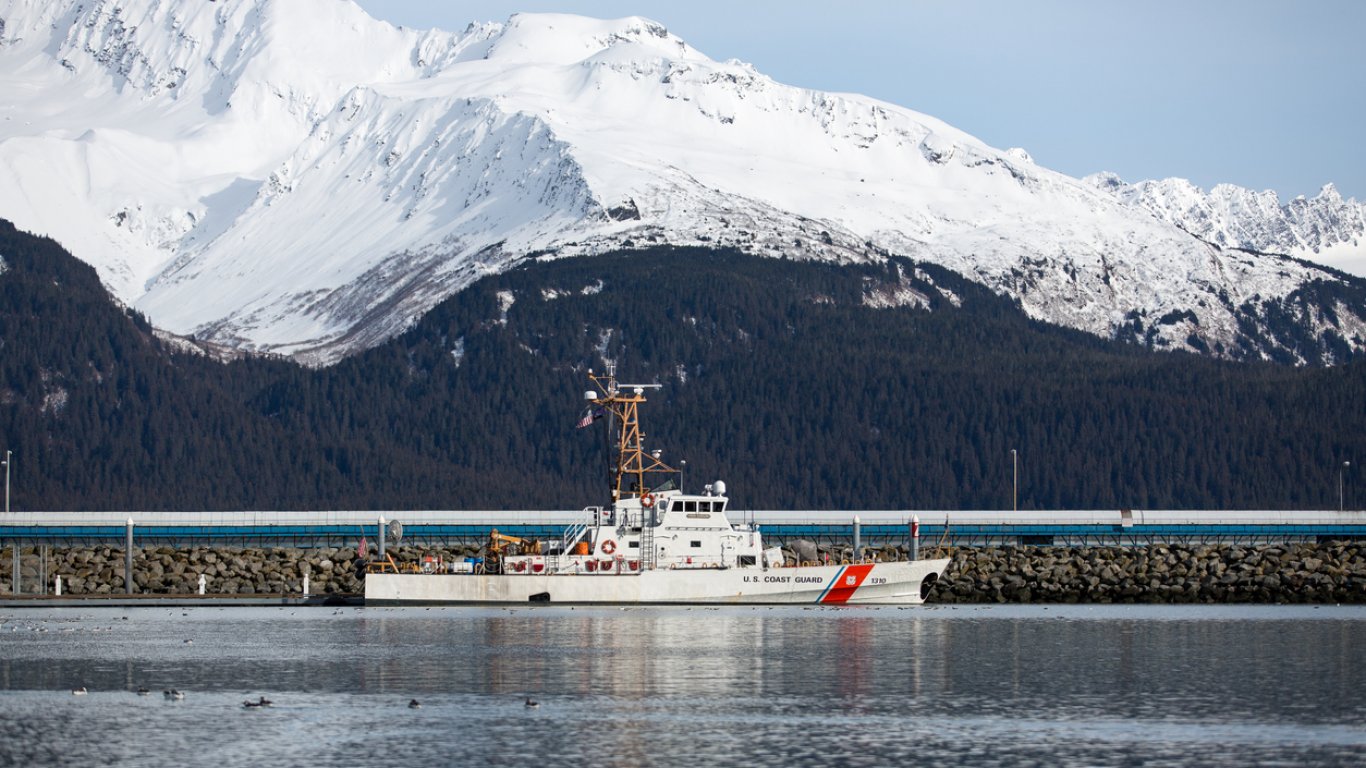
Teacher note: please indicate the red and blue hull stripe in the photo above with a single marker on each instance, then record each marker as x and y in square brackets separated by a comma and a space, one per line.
[847, 581]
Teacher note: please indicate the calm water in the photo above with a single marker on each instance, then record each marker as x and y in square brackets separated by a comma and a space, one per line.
[1130, 685]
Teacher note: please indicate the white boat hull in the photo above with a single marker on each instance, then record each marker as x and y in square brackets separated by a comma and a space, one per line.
[897, 583]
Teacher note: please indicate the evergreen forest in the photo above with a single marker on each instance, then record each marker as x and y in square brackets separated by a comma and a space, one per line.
[792, 381]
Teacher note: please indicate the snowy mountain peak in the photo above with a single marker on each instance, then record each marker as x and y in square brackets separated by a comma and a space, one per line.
[1328, 193]
[561, 39]
[294, 176]
[1325, 228]
[313, 48]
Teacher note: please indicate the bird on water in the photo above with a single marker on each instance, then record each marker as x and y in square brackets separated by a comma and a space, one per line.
[78, 691]
[532, 702]
[414, 704]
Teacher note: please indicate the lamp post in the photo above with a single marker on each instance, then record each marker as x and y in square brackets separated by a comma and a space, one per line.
[1342, 471]
[1015, 484]
[14, 578]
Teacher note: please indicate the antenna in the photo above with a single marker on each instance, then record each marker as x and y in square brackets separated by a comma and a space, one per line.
[630, 474]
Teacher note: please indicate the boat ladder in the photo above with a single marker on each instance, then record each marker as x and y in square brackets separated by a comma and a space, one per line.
[647, 542]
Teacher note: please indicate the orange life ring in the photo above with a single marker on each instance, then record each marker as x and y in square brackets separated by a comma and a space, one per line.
[608, 547]
[648, 500]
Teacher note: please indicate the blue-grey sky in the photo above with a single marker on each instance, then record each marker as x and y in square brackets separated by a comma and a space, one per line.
[1259, 93]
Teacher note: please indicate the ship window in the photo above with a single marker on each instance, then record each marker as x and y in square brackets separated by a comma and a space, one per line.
[689, 506]
[697, 545]
[634, 545]
[746, 559]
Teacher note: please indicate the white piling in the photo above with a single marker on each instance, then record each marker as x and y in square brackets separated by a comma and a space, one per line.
[128, 559]
[914, 550]
[857, 536]
[305, 585]
[58, 581]
[380, 537]
[201, 583]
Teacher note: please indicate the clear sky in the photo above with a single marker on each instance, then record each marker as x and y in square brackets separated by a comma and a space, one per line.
[1259, 93]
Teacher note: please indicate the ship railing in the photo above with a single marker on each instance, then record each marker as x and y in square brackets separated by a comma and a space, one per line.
[619, 565]
[571, 535]
[575, 532]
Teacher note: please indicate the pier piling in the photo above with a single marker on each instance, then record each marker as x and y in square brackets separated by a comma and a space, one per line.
[128, 559]
[913, 547]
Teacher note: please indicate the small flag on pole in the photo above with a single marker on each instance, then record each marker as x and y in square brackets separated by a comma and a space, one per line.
[361, 551]
[590, 415]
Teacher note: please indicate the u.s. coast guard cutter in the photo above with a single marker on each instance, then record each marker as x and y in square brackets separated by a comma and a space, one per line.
[654, 544]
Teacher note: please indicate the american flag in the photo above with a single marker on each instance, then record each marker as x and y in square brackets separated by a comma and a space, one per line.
[589, 416]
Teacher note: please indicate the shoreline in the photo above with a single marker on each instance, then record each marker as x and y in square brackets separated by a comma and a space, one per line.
[1327, 573]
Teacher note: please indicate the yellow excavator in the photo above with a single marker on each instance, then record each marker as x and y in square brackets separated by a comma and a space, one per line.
[501, 545]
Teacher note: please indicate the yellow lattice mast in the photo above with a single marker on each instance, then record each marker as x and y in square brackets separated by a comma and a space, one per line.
[636, 472]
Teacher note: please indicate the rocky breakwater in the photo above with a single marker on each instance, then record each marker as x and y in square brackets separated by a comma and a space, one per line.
[1299, 573]
[169, 570]
[1281, 573]
[172, 571]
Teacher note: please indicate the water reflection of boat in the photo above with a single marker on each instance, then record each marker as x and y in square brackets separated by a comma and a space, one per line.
[654, 544]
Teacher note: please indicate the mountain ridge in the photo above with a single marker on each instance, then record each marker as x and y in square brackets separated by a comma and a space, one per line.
[805, 385]
[1324, 228]
[300, 178]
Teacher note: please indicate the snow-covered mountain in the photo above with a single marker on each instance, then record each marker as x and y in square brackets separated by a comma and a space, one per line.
[1324, 228]
[294, 176]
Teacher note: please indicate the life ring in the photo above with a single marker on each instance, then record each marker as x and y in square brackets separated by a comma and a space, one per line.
[648, 500]
[608, 547]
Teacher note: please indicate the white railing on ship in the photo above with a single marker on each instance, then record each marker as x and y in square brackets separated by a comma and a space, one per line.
[574, 532]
